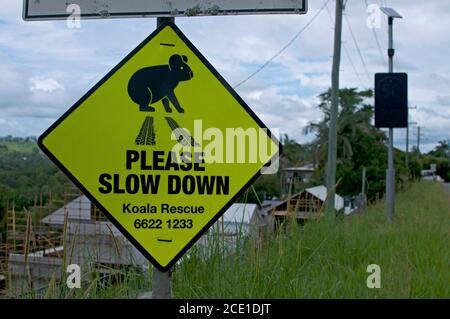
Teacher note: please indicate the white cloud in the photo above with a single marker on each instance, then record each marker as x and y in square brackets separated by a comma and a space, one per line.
[44, 84]
[45, 67]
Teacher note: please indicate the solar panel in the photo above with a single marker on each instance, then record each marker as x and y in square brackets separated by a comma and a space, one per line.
[391, 13]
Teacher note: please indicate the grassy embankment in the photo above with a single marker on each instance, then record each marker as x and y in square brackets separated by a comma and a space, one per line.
[326, 262]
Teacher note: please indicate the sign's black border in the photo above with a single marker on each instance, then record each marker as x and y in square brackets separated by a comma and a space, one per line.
[28, 17]
[93, 199]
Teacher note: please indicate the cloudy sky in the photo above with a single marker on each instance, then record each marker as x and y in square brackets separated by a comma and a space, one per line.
[45, 67]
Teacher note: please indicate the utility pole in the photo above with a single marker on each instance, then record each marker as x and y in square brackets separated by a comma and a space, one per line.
[419, 135]
[334, 109]
[362, 199]
[418, 142]
[407, 138]
[162, 281]
[407, 143]
[407, 147]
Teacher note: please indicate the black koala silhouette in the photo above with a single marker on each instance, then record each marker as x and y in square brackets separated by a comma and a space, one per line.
[151, 84]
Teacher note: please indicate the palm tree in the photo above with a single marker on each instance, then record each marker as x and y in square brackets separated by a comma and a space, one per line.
[442, 149]
[354, 117]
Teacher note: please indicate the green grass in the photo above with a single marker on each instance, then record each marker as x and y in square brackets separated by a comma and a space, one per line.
[321, 260]
[19, 146]
[124, 286]
[324, 261]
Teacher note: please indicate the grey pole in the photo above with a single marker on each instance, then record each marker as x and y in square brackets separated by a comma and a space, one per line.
[363, 181]
[161, 20]
[162, 283]
[407, 141]
[407, 147]
[332, 134]
[390, 173]
[418, 142]
[362, 201]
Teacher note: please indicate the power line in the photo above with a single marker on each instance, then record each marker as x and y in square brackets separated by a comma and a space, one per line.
[353, 66]
[346, 52]
[283, 48]
[357, 47]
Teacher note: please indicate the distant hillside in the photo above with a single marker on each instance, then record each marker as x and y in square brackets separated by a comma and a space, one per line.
[25, 172]
[21, 147]
[18, 144]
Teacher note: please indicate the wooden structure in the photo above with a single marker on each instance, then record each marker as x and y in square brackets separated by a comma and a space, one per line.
[308, 204]
[43, 240]
[25, 238]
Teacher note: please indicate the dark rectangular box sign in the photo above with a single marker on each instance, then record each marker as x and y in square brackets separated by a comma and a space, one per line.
[391, 100]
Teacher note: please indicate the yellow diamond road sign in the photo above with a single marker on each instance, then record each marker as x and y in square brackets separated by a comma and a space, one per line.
[162, 144]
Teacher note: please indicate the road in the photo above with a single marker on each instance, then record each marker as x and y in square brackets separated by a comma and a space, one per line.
[447, 185]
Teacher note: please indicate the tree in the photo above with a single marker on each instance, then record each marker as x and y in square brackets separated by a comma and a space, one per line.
[440, 156]
[354, 117]
[270, 186]
[442, 150]
[359, 143]
[293, 153]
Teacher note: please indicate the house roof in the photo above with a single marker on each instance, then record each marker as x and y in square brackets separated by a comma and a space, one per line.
[78, 209]
[321, 193]
[237, 219]
[239, 213]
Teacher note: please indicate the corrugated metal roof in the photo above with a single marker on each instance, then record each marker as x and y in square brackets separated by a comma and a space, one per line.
[321, 193]
[79, 208]
[239, 213]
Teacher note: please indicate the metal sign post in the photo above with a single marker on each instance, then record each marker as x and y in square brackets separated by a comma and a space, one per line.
[161, 280]
[161, 284]
[390, 173]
